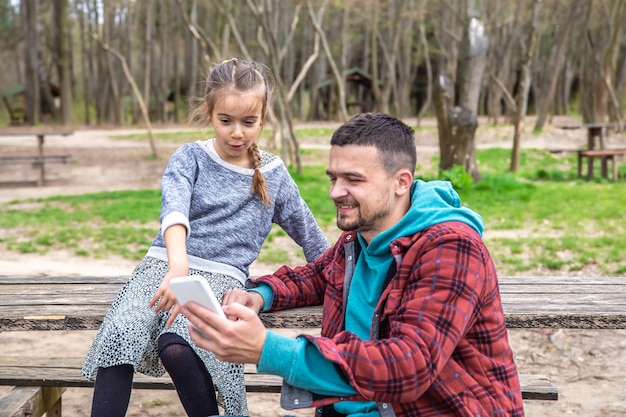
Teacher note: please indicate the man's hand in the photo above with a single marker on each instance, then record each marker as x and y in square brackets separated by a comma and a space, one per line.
[238, 339]
[251, 299]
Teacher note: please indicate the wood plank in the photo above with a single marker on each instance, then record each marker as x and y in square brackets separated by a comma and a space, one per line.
[31, 401]
[47, 372]
[80, 303]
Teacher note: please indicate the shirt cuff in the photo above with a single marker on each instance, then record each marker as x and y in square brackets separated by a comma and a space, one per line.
[278, 355]
[265, 291]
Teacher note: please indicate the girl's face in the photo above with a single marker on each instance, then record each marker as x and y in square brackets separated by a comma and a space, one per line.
[237, 120]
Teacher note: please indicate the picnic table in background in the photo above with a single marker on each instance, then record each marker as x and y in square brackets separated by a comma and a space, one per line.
[596, 132]
[40, 159]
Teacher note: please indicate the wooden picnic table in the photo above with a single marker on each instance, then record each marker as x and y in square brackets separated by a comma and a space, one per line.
[40, 159]
[596, 133]
[80, 303]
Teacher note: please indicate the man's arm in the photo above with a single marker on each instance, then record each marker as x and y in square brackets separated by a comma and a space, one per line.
[244, 339]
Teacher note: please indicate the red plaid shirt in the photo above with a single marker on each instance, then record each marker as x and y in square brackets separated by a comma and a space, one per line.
[442, 347]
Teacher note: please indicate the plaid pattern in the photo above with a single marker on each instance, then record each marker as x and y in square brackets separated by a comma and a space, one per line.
[443, 348]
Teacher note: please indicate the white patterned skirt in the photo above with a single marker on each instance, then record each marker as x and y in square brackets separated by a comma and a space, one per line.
[130, 331]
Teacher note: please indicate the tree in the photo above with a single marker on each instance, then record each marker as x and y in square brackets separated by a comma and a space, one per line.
[136, 92]
[64, 65]
[457, 114]
[521, 100]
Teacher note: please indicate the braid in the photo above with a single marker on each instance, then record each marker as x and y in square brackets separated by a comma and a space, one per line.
[259, 187]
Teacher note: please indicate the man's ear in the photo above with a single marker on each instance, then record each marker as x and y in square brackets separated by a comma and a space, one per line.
[404, 181]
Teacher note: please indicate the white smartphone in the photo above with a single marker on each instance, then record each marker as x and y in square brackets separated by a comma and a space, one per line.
[195, 288]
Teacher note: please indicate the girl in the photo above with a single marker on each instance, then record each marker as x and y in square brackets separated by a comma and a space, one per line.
[219, 200]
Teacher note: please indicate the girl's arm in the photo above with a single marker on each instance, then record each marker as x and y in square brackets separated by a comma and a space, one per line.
[294, 216]
[175, 238]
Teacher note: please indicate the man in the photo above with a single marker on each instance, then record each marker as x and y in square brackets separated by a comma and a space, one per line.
[412, 323]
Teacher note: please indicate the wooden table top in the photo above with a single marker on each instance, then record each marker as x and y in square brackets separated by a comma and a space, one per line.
[80, 303]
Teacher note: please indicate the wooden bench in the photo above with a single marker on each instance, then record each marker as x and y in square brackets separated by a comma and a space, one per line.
[605, 155]
[40, 160]
[80, 303]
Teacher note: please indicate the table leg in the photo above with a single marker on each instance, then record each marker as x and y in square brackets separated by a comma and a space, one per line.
[589, 167]
[42, 172]
[604, 160]
[614, 167]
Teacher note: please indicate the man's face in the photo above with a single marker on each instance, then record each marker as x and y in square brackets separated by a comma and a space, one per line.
[360, 189]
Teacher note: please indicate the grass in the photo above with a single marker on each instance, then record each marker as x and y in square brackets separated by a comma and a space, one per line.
[542, 218]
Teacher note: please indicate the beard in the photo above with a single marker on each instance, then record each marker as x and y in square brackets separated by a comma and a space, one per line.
[364, 222]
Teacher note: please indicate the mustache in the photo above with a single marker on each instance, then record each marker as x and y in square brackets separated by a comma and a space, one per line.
[345, 202]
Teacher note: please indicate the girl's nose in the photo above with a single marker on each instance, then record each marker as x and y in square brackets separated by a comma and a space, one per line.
[237, 132]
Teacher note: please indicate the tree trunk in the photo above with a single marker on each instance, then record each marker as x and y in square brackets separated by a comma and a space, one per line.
[554, 67]
[147, 54]
[64, 60]
[469, 81]
[521, 99]
[429, 70]
[29, 11]
[136, 92]
[80, 9]
[316, 18]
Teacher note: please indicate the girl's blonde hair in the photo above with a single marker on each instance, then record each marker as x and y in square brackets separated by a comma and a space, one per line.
[241, 76]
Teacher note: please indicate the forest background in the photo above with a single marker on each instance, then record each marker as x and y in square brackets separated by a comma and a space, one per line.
[98, 64]
[126, 62]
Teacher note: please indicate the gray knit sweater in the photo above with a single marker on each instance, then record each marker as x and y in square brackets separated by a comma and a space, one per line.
[226, 222]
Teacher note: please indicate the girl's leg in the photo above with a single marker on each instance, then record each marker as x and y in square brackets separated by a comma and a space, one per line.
[191, 378]
[112, 389]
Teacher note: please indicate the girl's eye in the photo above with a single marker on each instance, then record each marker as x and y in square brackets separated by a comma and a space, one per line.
[224, 121]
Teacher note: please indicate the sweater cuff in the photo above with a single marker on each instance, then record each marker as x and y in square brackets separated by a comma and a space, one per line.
[175, 218]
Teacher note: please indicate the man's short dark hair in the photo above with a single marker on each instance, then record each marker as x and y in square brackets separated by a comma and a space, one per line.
[394, 140]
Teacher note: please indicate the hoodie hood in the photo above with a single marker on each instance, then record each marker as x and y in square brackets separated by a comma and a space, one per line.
[436, 202]
[432, 202]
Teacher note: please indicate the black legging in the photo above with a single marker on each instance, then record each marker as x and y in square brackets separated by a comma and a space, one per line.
[192, 381]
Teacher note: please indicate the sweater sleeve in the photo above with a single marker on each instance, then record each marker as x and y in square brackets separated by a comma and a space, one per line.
[300, 364]
[293, 215]
[176, 188]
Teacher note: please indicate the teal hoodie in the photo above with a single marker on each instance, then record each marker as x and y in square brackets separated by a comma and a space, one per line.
[298, 361]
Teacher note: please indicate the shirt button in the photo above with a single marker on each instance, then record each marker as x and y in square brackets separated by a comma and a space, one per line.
[296, 401]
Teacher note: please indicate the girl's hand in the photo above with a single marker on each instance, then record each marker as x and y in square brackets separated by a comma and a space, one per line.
[164, 298]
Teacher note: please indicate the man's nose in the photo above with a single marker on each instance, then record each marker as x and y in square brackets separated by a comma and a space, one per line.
[337, 190]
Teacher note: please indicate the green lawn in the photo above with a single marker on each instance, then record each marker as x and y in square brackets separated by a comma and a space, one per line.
[540, 218]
